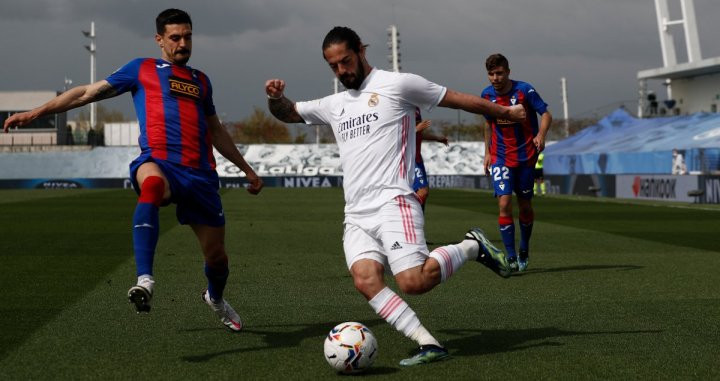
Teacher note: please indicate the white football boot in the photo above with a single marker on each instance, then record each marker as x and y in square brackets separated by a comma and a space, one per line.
[141, 294]
[222, 309]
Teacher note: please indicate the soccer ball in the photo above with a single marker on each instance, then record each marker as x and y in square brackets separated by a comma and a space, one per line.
[350, 347]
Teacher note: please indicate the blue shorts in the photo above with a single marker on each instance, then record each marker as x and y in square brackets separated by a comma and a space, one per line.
[421, 180]
[194, 191]
[507, 180]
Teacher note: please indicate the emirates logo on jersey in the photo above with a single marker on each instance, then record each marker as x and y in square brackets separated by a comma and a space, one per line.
[374, 100]
[355, 127]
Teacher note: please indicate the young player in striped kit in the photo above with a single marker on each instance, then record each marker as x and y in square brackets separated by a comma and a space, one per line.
[178, 130]
[511, 150]
[420, 183]
[374, 125]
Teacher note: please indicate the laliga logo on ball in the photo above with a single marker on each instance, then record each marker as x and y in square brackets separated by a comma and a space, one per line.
[350, 347]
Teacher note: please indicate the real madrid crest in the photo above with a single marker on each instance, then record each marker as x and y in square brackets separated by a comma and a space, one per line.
[374, 100]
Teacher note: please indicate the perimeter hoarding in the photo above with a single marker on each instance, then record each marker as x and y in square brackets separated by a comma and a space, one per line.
[656, 187]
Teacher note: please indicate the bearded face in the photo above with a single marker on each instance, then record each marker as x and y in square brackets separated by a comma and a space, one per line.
[346, 64]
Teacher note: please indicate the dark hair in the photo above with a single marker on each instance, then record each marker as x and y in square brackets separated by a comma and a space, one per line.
[496, 60]
[344, 34]
[171, 16]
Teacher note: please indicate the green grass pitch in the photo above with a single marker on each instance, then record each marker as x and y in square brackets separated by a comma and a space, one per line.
[615, 290]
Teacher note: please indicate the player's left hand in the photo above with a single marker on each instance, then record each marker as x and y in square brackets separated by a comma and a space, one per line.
[255, 186]
[539, 143]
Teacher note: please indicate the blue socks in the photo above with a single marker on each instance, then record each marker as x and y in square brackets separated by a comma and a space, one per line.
[507, 232]
[525, 233]
[526, 224]
[146, 230]
[217, 278]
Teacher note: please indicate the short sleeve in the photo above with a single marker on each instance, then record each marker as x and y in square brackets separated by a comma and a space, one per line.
[421, 92]
[535, 101]
[125, 78]
[208, 103]
[315, 111]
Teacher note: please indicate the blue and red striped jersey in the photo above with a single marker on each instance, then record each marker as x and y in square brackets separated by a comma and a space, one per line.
[172, 103]
[511, 143]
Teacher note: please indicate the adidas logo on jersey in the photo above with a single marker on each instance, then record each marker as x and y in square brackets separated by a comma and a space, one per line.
[396, 246]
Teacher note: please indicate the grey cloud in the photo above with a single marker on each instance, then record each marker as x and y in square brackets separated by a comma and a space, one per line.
[598, 45]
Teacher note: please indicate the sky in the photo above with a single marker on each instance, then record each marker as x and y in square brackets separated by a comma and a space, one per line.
[598, 46]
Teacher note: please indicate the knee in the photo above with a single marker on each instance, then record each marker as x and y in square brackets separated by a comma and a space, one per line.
[365, 285]
[525, 207]
[152, 190]
[368, 280]
[505, 209]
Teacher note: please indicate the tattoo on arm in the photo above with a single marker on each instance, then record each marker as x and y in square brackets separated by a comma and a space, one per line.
[104, 92]
[284, 109]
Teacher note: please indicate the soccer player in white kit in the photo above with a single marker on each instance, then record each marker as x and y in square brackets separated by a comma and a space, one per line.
[374, 125]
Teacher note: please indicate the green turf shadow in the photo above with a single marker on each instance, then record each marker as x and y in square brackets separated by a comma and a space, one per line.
[59, 247]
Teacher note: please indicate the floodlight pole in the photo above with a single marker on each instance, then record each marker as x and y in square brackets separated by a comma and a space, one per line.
[667, 43]
[91, 48]
[565, 106]
[68, 83]
[394, 45]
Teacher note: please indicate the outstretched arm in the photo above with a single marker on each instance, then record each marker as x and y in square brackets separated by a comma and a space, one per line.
[477, 105]
[281, 107]
[224, 144]
[436, 138]
[73, 98]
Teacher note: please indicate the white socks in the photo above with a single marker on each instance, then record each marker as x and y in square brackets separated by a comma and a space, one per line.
[471, 248]
[452, 257]
[146, 281]
[395, 311]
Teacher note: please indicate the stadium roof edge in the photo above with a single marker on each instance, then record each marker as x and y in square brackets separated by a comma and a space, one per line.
[24, 100]
[683, 70]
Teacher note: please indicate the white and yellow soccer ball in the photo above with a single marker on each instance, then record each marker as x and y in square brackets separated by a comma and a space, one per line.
[350, 347]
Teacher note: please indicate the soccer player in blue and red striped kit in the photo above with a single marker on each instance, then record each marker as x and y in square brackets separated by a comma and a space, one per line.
[178, 130]
[511, 150]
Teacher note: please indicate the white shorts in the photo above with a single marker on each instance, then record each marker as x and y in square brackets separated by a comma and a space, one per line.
[392, 236]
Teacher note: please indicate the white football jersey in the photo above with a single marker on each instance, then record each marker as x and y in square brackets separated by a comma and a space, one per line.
[375, 131]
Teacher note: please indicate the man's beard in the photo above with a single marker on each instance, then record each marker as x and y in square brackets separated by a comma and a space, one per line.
[353, 82]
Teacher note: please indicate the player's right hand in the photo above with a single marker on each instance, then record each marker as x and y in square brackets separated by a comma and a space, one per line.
[517, 113]
[17, 120]
[422, 126]
[274, 88]
[255, 186]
